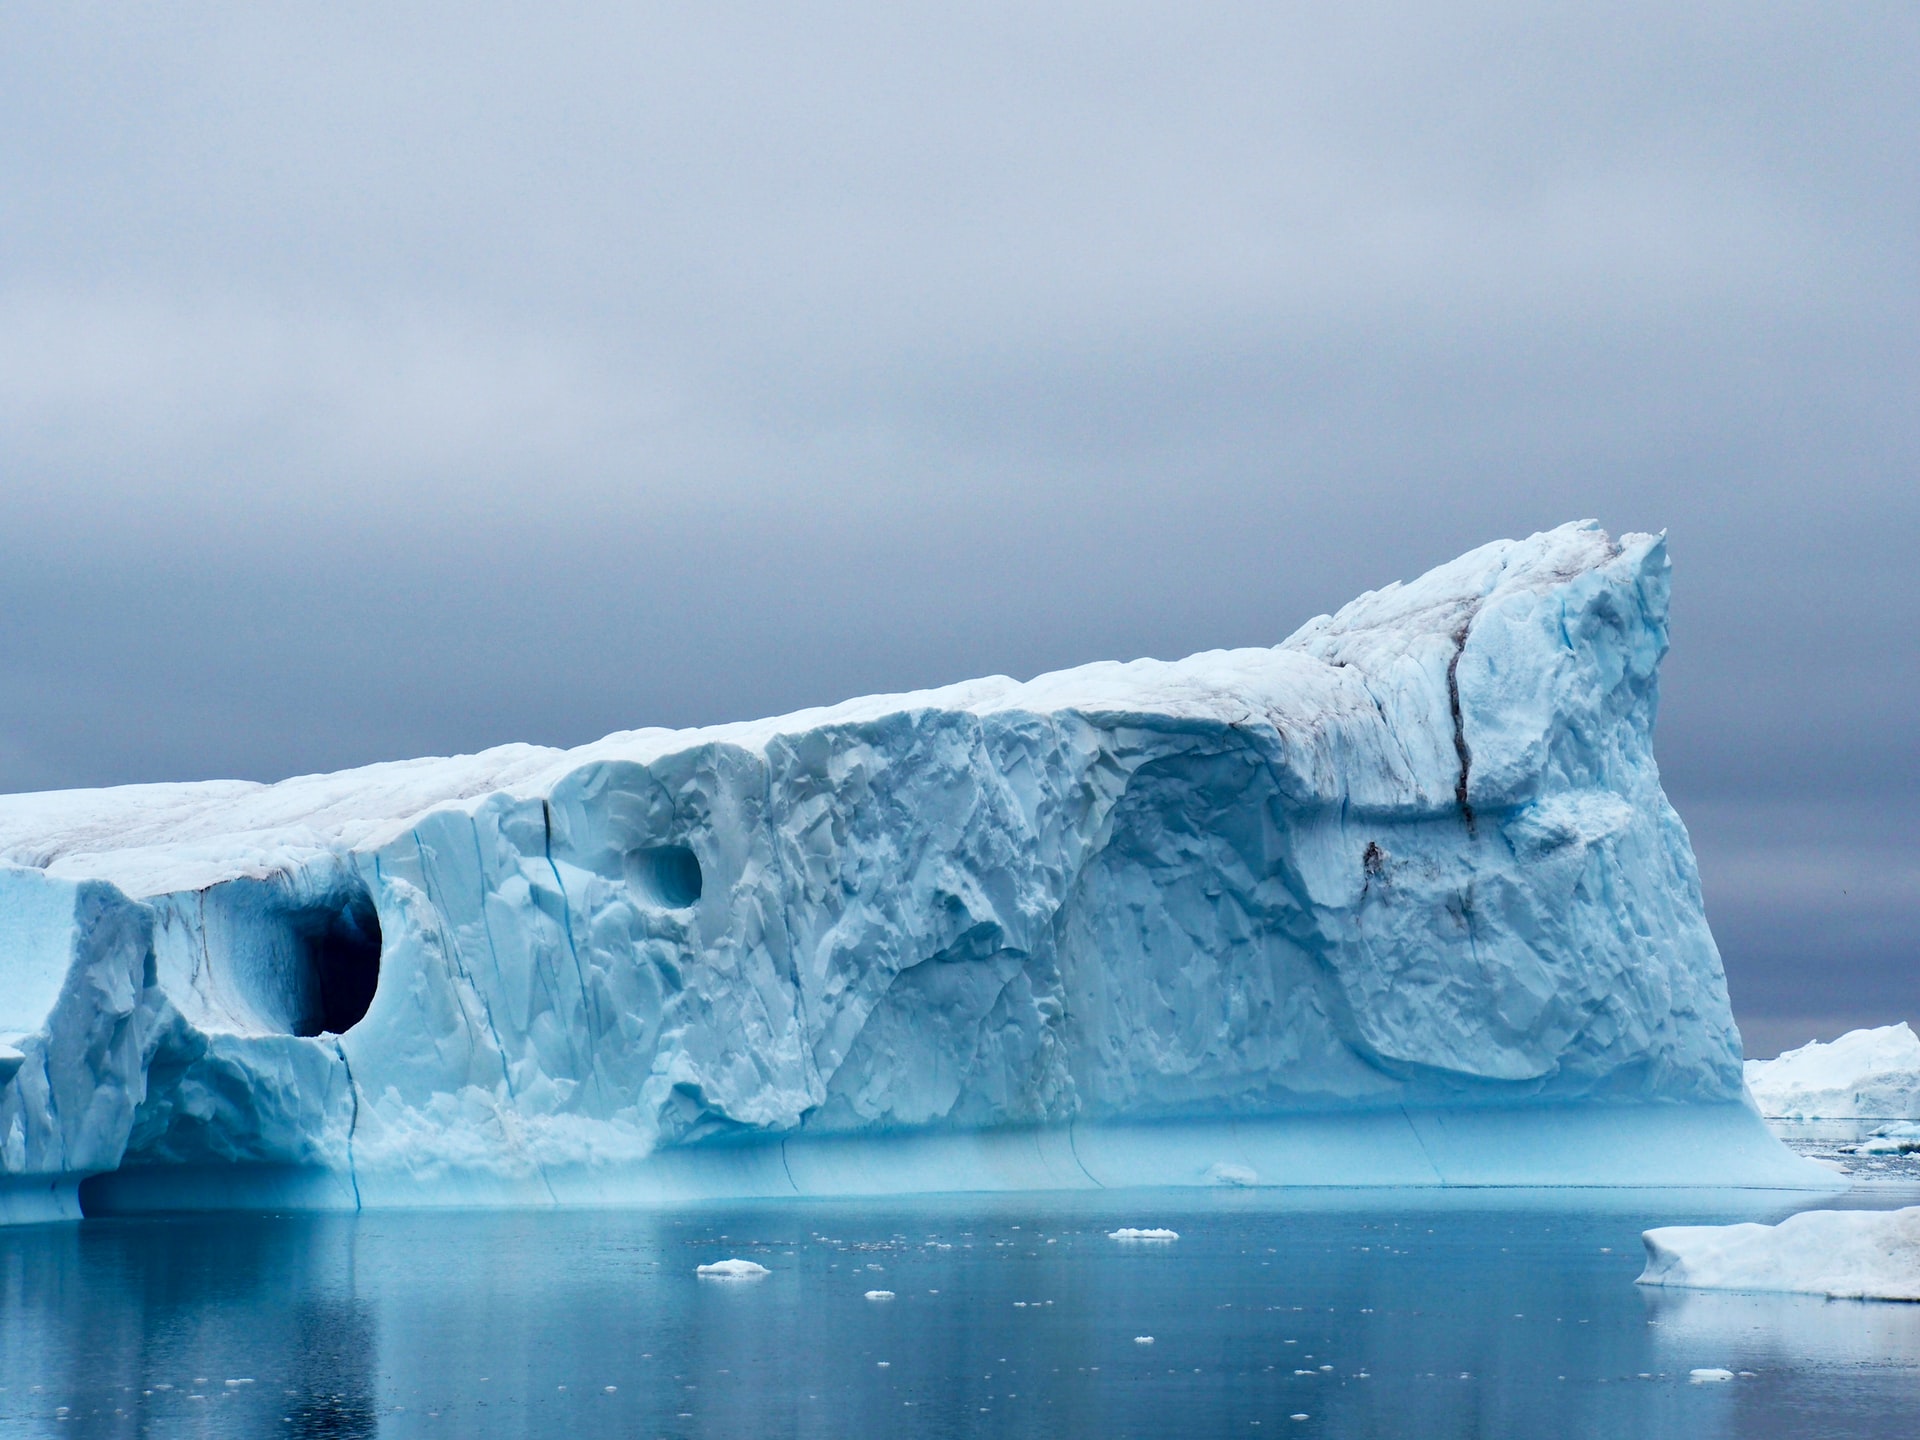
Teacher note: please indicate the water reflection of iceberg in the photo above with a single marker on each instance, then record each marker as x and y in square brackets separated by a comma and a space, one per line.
[1772, 1331]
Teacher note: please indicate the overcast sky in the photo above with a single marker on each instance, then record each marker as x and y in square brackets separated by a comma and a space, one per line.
[376, 384]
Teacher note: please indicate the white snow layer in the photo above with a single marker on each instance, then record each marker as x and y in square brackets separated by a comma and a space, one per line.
[1397, 901]
[1864, 1075]
[1845, 1254]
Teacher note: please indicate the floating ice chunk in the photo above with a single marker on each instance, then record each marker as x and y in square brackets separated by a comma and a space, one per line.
[879, 1294]
[1143, 1339]
[1845, 1254]
[1129, 1233]
[1886, 1145]
[1709, 1375]
[732, 1270]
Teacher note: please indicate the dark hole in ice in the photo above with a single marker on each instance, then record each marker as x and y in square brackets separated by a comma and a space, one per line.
[668, 874]
[341, 947]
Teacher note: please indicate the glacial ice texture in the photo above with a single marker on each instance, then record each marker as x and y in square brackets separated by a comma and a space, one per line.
[1864, 1075]
[1397, 901]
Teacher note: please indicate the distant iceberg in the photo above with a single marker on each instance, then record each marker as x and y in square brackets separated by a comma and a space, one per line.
[1399, 901]
[1844, 1254]
[1864, 1075]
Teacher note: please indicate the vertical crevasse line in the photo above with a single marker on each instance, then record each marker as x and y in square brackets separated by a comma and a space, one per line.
[1459, 729]
[353, 1119]
[1421, 1140]
[566, 910]
[1073, 1149]
[450, 947]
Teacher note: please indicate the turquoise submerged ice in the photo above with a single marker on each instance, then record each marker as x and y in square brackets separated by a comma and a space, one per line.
[1398, 901]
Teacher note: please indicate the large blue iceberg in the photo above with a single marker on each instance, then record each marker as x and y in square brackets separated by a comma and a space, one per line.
[1399, 901]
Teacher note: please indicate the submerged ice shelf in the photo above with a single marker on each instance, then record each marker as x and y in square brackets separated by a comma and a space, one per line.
[1397, 901]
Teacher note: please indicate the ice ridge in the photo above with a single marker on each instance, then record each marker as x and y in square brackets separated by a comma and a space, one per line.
[1399, 900]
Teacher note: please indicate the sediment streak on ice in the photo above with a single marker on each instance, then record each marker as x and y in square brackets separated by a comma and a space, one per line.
[1350, 908]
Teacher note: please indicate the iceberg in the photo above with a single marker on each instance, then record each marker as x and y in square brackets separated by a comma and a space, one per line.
[1398, 901]
[1842, 1254]
[1864, 1075]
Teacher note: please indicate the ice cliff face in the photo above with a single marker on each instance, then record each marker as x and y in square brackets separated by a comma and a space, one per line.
[1414, 860]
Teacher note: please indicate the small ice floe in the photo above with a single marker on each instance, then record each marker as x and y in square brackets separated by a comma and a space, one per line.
[1709, 1375]
[1143, 1339]
[732, 1270]
[1885, 1144]
[1301, 1416]
[1843, 1254]
[879, 1294]
[1127, 1232]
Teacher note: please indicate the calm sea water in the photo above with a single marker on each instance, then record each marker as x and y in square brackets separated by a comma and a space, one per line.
[1351, 1315]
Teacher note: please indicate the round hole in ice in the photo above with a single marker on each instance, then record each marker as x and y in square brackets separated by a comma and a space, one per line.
[340, 944]
[667, 875]
[290, 954]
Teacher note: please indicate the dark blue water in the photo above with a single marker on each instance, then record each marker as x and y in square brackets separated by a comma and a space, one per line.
[1485, 1316]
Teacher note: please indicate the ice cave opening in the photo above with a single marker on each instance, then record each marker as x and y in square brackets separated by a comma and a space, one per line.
[669, 875]
[339, 944]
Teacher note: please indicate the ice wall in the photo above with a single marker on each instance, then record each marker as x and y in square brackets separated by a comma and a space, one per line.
[1399, 900]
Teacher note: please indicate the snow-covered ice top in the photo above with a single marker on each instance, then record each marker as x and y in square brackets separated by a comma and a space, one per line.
[1845, 1254]
[1865, 1075]
[1414, 858]
[155, 839]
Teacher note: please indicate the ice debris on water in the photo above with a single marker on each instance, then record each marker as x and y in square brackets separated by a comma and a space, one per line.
[732, 1270]
[1143, 1339]
[1709, 1375]
[879, 1294]
[1127, 1232]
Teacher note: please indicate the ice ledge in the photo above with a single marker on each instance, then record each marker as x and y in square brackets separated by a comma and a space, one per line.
[1595, 1147]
